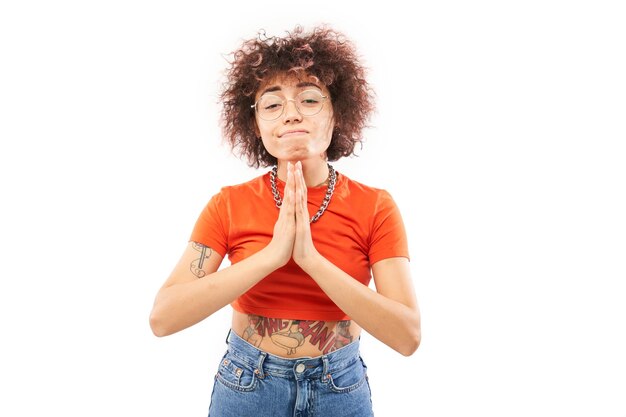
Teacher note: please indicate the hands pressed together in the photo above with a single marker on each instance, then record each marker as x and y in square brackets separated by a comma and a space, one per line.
[292, 231]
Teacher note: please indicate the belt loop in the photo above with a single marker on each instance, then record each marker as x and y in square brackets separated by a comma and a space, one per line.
[259, 367]
[228, 336]
[325, 374]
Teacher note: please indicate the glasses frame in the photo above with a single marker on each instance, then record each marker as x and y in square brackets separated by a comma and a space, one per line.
[284, 105]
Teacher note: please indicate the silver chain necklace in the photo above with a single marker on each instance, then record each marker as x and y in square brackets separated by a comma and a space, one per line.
[332, 179]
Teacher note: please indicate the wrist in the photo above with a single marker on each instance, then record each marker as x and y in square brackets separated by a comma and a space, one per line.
[308, 262]
[270, 260]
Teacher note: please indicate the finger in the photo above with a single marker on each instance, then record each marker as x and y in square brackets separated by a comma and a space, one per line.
[302, 183]
[297, 173]
[286, 208]
[297, 169]
[289, 199]
[302, 212]
[291, 169]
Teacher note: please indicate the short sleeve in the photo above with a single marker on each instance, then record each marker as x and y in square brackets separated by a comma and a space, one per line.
[388, 235]
[210, 229]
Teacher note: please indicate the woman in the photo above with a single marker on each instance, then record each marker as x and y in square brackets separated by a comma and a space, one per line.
[303, 240]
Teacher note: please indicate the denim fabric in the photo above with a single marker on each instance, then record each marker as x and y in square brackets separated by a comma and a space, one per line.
[253, 383]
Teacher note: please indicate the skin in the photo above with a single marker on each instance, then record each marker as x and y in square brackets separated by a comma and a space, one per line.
[195, 289]
[311, 135]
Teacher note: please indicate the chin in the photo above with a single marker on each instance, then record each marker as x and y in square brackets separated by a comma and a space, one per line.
[296, 155]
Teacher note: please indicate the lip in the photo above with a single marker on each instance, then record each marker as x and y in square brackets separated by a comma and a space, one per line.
[293, 132]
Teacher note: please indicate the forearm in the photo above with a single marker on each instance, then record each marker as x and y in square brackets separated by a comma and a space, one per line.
[393, 323]
[182, 305]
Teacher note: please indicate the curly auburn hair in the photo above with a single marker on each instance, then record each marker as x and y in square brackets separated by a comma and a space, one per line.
[322, 53]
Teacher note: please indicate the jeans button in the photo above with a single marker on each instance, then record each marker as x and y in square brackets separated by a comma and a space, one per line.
[300, 368]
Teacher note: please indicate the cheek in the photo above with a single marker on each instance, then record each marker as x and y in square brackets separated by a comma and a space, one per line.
[328, 130]
[260, 129]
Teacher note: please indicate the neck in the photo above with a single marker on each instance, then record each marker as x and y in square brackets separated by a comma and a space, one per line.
[315, 172]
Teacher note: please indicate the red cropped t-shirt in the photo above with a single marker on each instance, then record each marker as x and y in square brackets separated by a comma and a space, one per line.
[361, 226]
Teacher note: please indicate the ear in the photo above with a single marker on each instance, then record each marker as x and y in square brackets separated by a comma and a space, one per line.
[257, 132]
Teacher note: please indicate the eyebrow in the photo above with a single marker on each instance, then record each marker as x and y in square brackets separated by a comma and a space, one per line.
[299, 85]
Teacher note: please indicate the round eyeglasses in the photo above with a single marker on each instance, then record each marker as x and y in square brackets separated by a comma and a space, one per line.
[308, 103]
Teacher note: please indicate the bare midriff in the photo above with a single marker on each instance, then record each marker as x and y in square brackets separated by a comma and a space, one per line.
[294, 338]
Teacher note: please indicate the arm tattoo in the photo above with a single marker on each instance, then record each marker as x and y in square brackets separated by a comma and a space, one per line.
[197, 264]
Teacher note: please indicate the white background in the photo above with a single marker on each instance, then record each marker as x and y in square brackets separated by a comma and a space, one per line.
[500, 132]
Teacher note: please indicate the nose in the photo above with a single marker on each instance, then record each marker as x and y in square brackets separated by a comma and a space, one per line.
[291, 113]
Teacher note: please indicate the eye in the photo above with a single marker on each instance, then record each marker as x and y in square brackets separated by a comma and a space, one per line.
[310, 98]
[272, 106]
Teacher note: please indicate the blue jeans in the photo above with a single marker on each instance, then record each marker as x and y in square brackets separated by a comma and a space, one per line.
[253, 383]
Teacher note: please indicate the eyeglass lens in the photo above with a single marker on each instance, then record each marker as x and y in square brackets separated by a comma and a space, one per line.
[308, 103]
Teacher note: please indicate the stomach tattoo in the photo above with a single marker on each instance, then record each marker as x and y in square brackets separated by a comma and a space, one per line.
[289, 339]
[291, 335]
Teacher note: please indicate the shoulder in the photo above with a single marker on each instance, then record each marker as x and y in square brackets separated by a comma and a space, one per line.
[230, 197]
[372, 204]
[253, 186]
[357, 190]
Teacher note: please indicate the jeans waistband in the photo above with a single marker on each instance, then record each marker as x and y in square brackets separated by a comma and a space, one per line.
[305, 367]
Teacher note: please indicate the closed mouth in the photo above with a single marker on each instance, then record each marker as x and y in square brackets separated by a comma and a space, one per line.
[292, 132]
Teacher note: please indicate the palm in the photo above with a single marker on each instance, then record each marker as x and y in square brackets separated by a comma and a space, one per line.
[292, 231]
[303, 246]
